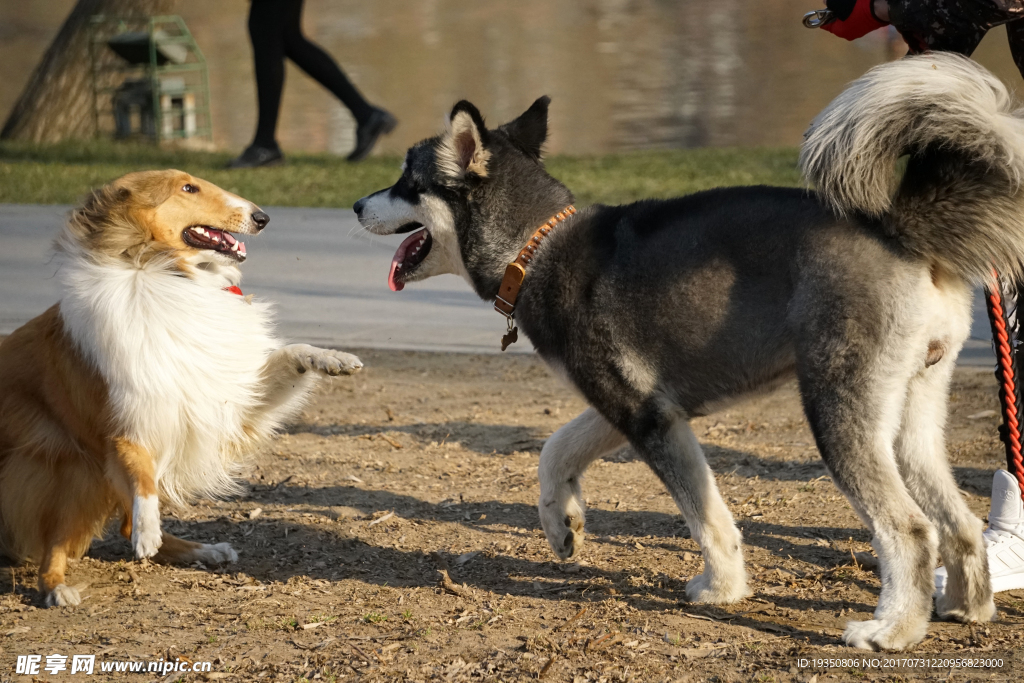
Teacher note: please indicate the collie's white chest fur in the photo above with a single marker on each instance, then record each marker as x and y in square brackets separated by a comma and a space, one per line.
[182, 359]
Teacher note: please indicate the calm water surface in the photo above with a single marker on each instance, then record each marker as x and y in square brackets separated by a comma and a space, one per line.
[623, 74]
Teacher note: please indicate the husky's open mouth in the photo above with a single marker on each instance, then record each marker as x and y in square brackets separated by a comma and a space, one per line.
[409, 255]
[221, 241]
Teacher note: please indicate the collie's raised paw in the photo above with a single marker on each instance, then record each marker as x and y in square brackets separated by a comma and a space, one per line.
[701, 589]
[325, 361]
[63, 596]
[563, 519]
[336, 363]
[220, 553]
[883, 635]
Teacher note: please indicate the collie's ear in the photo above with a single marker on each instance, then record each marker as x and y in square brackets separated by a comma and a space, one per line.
[530, 130]
[148, 188]
[463, 148]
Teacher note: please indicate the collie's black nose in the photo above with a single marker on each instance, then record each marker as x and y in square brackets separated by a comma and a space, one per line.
[358, 206]
[260, 219]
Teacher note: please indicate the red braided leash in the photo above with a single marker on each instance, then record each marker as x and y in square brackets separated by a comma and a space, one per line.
[1005, 373]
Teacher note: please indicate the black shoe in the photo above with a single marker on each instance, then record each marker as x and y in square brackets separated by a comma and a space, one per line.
[255, 155]
[381, 122]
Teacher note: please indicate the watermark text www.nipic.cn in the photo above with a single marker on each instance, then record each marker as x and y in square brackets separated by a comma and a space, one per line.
[34, 665]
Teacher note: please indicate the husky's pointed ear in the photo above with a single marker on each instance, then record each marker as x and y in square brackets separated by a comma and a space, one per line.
[463, 147]
[530, 130]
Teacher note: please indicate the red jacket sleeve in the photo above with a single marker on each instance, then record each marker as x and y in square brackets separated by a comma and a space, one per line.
[862, 20]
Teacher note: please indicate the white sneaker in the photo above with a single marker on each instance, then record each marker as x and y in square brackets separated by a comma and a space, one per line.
[1004, 538]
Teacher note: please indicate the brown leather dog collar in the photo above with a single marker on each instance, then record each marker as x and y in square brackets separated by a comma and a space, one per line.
[515, 273]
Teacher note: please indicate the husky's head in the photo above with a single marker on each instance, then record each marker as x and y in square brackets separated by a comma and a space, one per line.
[468, 196]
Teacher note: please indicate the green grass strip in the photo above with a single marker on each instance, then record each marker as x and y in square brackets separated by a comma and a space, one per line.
[63, 173]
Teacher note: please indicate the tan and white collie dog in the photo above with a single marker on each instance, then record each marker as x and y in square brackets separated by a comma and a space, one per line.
[152, 378]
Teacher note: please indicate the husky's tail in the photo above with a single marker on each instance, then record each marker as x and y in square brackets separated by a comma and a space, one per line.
[959, 202]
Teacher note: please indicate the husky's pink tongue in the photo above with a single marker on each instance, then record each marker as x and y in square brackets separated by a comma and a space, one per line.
[395, 286]
[402, 255]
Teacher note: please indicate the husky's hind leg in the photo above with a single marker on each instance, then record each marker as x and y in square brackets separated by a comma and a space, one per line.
[853, 391]
[563, 460]
[921, 456]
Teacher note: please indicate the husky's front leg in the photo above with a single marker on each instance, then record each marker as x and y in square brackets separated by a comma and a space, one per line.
[290, 371]
[671, 449]
[563, 460]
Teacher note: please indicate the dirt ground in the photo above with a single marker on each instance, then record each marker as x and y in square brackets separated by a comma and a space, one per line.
[427, 460]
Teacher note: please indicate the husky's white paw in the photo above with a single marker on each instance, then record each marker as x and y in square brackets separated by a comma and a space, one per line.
[878, 634]
[704, 588]
[219, 553]
[146, 533]
[63, 596]
[562, 514]
[949, 608]
[325, 361]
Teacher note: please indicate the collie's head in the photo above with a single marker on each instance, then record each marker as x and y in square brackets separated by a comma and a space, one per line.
[170, 213]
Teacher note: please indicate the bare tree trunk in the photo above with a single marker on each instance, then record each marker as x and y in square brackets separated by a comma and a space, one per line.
[57, 102]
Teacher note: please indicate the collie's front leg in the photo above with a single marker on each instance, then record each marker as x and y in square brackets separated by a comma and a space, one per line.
[135, 475]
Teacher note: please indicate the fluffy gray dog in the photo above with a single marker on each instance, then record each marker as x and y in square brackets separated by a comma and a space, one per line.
[660, 311]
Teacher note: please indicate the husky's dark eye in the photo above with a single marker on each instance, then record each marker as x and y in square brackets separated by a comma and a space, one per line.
[191, 189]
[407, 187]
[416, 185]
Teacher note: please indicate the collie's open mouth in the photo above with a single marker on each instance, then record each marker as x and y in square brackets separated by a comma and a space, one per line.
[410, 254]
[221, 241]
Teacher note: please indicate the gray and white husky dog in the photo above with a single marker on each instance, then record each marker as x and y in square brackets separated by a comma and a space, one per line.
[660, 311]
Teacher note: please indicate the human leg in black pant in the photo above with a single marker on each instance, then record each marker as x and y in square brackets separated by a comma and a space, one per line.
[275, 28]
[266, 20]
[312, 59]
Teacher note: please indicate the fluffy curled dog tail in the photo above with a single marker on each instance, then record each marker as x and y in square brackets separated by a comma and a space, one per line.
[959, 200]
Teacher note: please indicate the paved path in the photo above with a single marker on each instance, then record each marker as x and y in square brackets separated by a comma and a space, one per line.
[326, 275]
[328, 278]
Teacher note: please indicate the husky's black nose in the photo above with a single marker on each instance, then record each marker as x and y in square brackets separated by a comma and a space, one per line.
[260, 219]
[358, 206]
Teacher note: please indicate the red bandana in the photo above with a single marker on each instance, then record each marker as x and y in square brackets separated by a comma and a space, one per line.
[234, 289]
